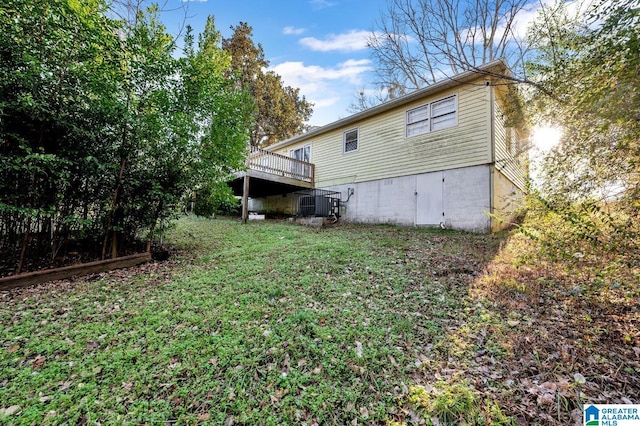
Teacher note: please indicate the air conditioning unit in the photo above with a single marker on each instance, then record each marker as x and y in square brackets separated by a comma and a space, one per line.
[318, 205]
[313, 205]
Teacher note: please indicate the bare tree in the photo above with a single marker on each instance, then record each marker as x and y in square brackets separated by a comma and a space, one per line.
[365, 99]
[419, 42]
[128, 11]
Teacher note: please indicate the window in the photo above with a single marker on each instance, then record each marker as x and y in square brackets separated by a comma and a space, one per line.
[300, 170]
[418, 121]
[350, 138]
[433, 116]
[443, 113]
[302, 153]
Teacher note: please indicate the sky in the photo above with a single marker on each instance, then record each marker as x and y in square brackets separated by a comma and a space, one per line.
[318, 46]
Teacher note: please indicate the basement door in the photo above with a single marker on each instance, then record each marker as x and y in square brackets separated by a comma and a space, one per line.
[429, 199]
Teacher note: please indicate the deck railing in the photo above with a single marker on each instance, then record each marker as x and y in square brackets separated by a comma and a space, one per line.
[281, 165]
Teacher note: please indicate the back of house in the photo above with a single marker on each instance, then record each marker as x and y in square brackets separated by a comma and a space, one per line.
[448, 155]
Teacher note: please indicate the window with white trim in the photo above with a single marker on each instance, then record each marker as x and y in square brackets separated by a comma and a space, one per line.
[418, 121]
[303, 153]
[350, 140]
[433, 116]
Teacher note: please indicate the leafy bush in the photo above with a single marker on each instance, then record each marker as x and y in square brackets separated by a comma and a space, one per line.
[585, 230]
[103, 129]
[215, 199]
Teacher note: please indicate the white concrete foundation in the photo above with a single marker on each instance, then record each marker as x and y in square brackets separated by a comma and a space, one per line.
[455, 199]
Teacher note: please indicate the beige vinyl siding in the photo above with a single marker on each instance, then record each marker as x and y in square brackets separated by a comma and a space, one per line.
[508, 200]
[509, 159]
[385, 152]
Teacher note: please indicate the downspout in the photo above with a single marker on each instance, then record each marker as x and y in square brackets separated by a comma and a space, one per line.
[492, 153]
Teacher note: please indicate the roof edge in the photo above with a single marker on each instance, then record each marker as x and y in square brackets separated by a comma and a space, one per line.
[388, 105]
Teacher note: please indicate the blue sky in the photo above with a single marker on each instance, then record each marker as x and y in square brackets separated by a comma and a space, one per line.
[316, 45]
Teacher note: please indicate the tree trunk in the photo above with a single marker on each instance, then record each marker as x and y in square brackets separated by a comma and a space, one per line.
[118, 186]
[25, 243]
[114, 245]
[245, 198]
[114, 204]
[153, 227]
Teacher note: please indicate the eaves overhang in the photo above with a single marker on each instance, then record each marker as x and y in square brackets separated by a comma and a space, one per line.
[488, 69]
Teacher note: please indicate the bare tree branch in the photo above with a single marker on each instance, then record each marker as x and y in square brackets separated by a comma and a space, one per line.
[419, 42]
[128, 10]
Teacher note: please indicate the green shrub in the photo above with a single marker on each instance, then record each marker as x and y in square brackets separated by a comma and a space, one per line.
[215, 199]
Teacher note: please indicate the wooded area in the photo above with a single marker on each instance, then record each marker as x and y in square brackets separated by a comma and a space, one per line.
[106, 130]
[587, 70]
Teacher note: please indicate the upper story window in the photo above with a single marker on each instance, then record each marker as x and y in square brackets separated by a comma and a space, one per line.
[350, 140]
[444, 113]
[433, 116]
[303, 153]
[418, 121]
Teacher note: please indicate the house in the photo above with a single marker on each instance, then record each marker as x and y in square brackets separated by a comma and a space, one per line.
[447, 155]
[591, 416]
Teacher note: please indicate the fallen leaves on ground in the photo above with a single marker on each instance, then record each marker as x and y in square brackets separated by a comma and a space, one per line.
[532, 339]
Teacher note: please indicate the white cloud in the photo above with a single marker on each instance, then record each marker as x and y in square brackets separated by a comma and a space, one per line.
[330, 89]
[321, 4]
[297, 74]
[293, 30]
[351, 41]
[326, 102]
[523, 21]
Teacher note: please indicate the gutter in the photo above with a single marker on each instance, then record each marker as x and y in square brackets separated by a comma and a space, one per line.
[386, 106]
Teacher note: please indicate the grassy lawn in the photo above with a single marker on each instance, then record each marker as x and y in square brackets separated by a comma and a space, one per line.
[270, 323]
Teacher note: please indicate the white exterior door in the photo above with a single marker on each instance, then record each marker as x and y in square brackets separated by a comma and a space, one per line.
[429, 202]
[302, 154]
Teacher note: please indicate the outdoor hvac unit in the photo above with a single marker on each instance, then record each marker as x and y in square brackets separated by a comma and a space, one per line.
[318, 205]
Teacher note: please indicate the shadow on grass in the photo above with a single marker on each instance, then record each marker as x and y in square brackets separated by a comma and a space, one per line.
[269, 323]
[539, 340]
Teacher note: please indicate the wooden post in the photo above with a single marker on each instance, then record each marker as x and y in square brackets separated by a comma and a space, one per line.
[245, 198]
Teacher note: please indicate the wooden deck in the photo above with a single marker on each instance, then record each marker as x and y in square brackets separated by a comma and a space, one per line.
[269, 173]
[274, 164]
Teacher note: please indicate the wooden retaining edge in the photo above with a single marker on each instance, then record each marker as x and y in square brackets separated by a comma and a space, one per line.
[37, 277]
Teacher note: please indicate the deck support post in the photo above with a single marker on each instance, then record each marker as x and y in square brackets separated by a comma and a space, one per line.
[245, 199]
